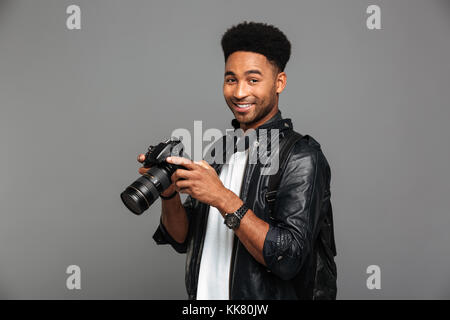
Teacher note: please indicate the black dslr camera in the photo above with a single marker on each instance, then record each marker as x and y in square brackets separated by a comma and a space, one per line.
[141, 194]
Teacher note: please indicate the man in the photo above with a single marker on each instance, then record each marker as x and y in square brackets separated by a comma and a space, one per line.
[262, 254]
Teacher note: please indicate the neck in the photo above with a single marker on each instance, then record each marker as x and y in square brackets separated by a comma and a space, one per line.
[260, 122]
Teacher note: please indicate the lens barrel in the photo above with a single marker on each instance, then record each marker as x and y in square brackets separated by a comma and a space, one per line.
[141, 194]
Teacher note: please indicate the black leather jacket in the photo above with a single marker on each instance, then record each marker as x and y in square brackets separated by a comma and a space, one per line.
[303, 197]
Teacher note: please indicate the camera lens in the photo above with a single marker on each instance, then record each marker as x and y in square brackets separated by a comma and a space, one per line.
[141, 194]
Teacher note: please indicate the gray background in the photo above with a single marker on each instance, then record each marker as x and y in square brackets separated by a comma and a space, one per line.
[78, 106]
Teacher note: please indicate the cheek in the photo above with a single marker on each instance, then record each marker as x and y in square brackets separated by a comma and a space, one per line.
[263, 94]
[227, 92]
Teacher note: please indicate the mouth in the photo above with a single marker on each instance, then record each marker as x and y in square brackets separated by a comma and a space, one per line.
[242, 107]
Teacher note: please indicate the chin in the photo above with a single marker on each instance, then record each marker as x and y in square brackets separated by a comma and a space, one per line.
[245, 119]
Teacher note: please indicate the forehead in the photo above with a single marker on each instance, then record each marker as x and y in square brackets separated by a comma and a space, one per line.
[241, 61]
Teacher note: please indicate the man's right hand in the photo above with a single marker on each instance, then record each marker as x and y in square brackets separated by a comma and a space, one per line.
[169, 191]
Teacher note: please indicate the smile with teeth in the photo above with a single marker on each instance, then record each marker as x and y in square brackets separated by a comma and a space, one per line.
[243, 106]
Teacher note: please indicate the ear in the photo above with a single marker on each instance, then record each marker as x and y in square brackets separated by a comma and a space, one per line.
[281, 82]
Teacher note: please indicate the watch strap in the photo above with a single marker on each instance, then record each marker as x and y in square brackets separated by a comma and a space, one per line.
[241, 211]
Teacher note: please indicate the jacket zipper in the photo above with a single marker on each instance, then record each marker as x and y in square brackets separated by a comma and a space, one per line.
[231, 274]
[235, 240]
[194, 278]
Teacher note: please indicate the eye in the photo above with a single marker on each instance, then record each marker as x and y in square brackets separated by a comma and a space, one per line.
[254, 80]
[230, 80]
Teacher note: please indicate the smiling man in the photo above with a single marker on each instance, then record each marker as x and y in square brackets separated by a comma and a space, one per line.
[245, 236]
[251, 88]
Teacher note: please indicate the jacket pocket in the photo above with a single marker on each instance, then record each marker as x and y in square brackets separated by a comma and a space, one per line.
[271, 197]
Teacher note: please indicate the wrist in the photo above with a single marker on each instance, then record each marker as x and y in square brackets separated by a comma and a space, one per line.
[229, 202]
[163, 197]
[169, 191]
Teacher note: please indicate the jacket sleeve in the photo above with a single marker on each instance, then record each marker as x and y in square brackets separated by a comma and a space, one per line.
[162, 236]
[294, 221]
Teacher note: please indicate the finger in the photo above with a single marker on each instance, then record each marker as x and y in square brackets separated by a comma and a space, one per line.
[181, 174]
[182, 184]
[203, 164]
[182, 162]
[141, 157]
[143, 170]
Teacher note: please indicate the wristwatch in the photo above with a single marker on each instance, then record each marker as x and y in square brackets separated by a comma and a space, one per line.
[233, 220]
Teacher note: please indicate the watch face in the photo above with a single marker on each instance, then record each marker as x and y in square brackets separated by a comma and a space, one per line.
[231, 221]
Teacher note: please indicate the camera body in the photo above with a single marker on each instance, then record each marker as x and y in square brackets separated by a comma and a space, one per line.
[141, 194]
[157, 155]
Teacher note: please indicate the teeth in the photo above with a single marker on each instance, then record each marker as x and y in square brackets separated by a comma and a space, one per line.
[243, 105]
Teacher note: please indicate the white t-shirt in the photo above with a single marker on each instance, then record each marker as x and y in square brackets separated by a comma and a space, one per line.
[213, 281]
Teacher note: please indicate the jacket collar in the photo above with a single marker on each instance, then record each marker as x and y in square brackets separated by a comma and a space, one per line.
[276, 122]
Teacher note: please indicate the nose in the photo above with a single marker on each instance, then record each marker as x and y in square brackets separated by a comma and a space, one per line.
[240, 91]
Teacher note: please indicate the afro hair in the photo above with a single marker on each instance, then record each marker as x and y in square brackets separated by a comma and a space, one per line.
[260, 38]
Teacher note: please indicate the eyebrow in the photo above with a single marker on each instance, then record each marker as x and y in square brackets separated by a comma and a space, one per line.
[231, 73]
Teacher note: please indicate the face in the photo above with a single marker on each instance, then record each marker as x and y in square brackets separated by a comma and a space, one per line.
[251, 87]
